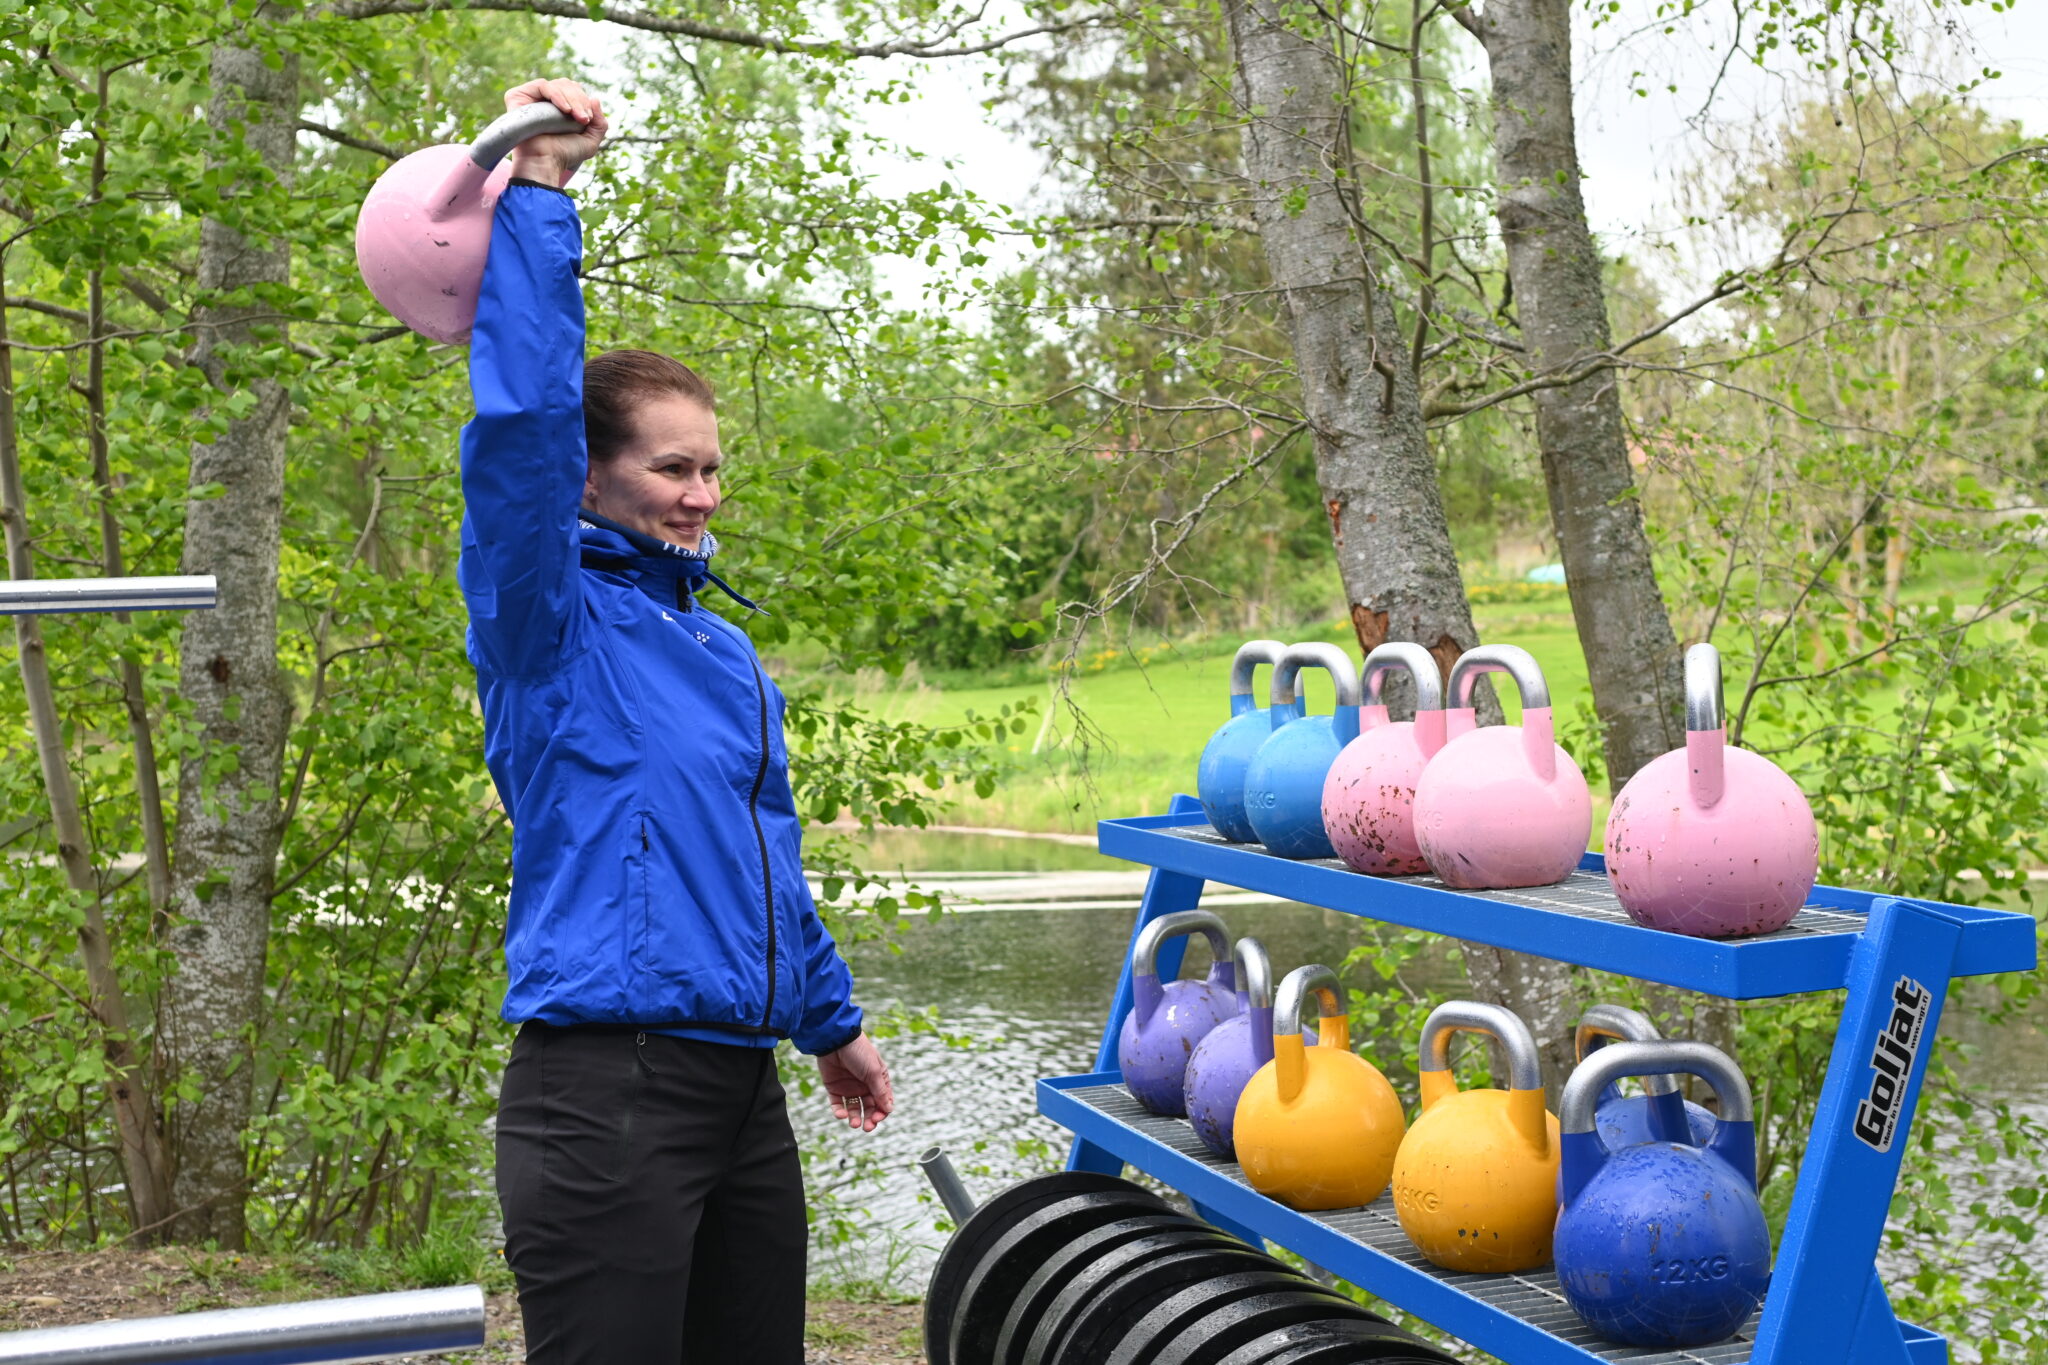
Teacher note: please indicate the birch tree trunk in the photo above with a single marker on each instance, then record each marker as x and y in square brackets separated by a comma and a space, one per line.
[228, 811]
[1632, 657]
[1360, 391]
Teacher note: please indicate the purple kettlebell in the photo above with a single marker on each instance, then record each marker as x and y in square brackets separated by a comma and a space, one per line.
[1236, 1048]
[1167, 1021]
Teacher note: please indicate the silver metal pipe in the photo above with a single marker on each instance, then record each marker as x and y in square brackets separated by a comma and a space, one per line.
[938, 1168]
[36, 596]
[371, 1327]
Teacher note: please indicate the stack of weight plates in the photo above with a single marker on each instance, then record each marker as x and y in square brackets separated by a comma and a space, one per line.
[1085, 1269]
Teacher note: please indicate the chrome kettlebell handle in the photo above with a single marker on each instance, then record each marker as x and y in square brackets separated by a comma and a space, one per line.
[515, 126]
[1703, 704]
[1513, 660]
[1254, 972]
[1623, 1025]
[1314, 654]
[1525, 1065]
[1145, 955]
[1245, 663]
[1294, 992]
[1412, 659]
[1611, 1063]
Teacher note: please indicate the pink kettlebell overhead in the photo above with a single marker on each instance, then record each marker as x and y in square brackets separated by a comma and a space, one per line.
[1709, 840]
[1369, 795]
[1501, 806]
[425, 229]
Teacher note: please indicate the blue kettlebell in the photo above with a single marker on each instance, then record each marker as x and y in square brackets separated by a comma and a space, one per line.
[1223, 1062]
[1662, 1244]
[1219, 778]
[1660, 1113]
[1283, 785]
[1167, 1021]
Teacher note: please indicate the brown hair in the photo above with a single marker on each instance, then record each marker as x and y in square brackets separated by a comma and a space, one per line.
[617, 382]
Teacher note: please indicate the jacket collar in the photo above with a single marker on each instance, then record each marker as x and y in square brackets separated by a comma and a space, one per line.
[663, 571]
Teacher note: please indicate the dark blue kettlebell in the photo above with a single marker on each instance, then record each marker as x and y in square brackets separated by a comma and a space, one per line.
[1660, 1113]
[1283, 785]
[1219, 778]
[1168, 1020]
[1662, 1244]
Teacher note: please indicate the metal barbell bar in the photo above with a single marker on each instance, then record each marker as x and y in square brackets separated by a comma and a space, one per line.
[326, 1331]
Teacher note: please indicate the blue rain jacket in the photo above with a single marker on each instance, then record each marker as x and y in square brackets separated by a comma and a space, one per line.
[635, 739]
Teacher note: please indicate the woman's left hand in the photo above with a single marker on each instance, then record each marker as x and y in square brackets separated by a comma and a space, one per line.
[857, 1079]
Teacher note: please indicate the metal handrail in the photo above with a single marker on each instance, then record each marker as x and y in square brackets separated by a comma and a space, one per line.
[325, 1331]
[36, 596]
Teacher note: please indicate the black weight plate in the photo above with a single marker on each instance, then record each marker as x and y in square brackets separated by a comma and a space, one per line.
[1007, 1262]
[1217, 1334]
[1089, 1278]
[1052, 1274]
[1339, 1343]
[988, 1221]
[1112, 1310]
[1178, 1313]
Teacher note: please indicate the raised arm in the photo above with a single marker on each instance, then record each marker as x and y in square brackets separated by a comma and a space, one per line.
[523, 460]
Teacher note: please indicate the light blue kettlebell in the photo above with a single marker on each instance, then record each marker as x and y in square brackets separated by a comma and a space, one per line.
[1167, 1020]
[1660, 1113]
[1219, 778]
[1662, 1244]
[1283, 785]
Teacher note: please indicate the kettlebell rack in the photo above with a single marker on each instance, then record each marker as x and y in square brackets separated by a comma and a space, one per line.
[1826, 1305]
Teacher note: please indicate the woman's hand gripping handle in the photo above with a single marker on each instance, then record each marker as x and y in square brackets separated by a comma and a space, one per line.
[554, 158]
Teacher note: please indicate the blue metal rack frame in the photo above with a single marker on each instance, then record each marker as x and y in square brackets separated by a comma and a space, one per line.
[1895, 957]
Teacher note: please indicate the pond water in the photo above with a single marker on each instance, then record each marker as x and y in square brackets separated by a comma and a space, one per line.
[1030, 987]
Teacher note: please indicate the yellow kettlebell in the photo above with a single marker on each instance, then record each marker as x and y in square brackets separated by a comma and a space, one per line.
[1475, 1182]
[1316, 1128]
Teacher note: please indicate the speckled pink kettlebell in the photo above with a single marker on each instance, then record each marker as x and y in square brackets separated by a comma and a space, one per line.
[1369, 796]
[1711, 841]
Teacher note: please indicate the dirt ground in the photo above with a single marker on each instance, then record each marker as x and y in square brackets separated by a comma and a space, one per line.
[55, 1289]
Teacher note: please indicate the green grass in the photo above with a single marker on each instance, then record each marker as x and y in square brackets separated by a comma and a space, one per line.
[1148, 719]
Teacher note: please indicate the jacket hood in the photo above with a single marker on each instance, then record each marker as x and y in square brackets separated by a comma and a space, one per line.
[666, 572]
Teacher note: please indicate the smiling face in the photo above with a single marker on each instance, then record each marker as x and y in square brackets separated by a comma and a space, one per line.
[663, 482]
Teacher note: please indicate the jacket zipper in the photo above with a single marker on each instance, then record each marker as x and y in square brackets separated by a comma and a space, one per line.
[754, 814]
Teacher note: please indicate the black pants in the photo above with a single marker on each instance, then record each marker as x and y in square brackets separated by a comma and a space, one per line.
[653, 1201]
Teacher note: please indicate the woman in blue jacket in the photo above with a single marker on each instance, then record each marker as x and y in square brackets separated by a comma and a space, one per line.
[660, 937]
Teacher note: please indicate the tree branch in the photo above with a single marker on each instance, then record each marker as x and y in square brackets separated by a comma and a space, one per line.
[361, 144]
[711, 33]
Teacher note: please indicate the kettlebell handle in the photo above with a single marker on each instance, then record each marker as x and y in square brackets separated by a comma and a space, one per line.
[1703, 704]
[519, 125]
[1145, 956]
[1314, 654]
[1254, 973]
[1294, 992]
[1525, 1065]
[1666, 1055]
[1624, 1025]
[1513, 660]
[463, 188]
[1412, 659]
[1245, 663]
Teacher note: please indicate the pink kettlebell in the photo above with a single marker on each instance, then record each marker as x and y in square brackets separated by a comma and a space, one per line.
[1711, 841]
[1501, 806]
[1369, 796]
[425, 228]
